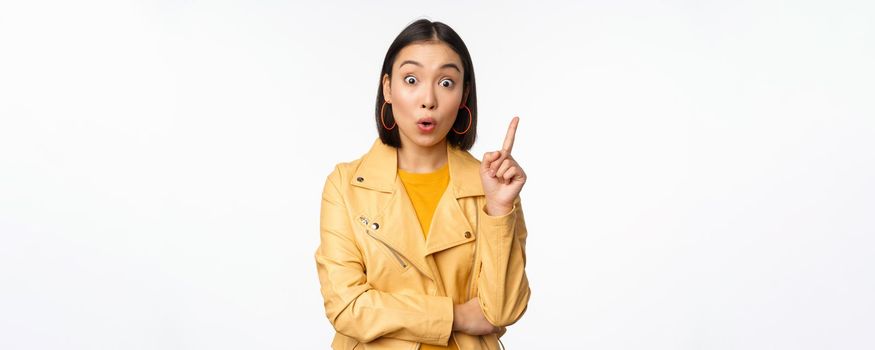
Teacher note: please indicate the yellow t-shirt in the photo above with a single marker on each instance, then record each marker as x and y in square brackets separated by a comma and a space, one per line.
[425, 191]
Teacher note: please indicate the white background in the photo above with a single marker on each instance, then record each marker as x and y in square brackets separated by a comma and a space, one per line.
[701, 173]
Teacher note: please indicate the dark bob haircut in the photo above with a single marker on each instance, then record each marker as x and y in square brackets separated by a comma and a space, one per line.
[425, 30]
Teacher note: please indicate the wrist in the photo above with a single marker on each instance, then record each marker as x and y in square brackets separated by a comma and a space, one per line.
[457, 318]
[498, 209]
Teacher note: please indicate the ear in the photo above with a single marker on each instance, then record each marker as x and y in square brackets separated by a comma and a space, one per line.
[465, 95]
[387, 88]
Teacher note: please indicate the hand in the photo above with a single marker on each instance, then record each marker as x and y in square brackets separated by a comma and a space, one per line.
[468, 318]
[502, 177]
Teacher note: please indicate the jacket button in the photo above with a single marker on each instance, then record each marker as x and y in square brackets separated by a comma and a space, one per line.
[360, 179]
[375, 226]
[467, 234]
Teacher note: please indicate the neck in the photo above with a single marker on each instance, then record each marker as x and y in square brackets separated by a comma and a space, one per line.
[417, 159]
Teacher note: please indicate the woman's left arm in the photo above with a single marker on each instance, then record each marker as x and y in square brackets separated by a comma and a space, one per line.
[503, 288]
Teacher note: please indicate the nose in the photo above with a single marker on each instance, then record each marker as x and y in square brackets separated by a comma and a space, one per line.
[429, 101]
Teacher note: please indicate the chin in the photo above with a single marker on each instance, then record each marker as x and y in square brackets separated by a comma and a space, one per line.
[426, 140]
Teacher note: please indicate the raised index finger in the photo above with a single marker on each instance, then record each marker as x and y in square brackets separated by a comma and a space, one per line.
[511, 134]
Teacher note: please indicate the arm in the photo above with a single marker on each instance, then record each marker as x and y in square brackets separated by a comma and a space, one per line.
[502, 285]
[503, 288]
[352, 305]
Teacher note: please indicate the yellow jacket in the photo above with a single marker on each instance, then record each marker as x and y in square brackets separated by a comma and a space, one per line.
[385, 287]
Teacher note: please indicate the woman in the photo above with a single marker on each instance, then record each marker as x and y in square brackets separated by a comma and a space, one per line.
[421, 243]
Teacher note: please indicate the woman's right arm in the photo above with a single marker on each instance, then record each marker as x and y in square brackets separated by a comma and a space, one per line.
[352, 305]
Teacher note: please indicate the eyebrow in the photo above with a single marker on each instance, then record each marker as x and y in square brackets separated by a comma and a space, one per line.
[446, 65]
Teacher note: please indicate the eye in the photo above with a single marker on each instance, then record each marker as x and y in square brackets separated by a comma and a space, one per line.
[410, 79]
[447, 83]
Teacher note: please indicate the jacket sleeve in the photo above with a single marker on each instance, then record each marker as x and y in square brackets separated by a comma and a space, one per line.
[352, 305]
[502, 285]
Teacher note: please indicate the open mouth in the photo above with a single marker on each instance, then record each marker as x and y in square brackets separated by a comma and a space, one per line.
[426, 124]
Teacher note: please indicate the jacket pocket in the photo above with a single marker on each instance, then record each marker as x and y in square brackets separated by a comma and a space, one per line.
[396, 257]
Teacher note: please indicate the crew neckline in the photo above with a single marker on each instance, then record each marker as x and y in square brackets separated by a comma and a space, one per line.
[443, 168]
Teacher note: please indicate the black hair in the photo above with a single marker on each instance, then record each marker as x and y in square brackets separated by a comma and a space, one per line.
[426, 30]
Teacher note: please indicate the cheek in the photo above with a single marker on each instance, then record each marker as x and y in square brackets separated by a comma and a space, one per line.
[407, 98]
[451, 101]
[403, 100]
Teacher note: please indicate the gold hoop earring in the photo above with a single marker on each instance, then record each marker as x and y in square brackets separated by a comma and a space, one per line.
[470, 120]
[382, 109]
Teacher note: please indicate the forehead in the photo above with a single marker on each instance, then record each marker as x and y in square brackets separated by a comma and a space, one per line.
[432, 55]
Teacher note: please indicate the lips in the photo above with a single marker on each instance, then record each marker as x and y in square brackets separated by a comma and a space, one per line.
[426, 124]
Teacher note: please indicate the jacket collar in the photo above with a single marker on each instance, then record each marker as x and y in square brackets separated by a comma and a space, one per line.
[379, 168]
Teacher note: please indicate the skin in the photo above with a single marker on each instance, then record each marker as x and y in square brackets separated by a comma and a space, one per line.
[421, 89]
[430, 87]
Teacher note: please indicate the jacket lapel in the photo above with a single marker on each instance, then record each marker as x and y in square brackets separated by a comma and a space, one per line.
[449, 223]
[398, 225]
[399, 228]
